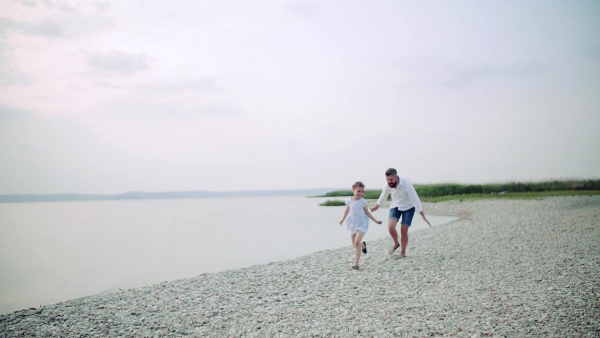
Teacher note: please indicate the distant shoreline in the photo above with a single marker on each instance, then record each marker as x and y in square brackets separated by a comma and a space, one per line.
[140, 195]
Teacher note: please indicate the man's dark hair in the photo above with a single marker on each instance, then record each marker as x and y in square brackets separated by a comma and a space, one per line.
[391, 171]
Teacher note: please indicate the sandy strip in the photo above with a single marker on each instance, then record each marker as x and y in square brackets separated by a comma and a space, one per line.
[505, 268]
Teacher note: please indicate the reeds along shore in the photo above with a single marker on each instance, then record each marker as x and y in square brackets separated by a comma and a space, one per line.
[450, 189]
[505, 268]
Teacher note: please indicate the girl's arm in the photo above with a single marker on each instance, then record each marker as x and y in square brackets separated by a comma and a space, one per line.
[371, 216]
[345, 214]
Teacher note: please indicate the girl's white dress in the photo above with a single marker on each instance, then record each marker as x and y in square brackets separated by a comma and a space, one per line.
[357, 219]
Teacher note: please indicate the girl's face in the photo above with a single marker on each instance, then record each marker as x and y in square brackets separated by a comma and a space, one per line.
[358, 192]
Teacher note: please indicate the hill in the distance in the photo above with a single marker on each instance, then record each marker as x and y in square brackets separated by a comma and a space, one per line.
[140, 195]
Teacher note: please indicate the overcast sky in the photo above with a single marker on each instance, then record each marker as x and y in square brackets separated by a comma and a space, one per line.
[115, 96]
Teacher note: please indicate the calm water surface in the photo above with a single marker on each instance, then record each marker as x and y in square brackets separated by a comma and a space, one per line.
[55, 251]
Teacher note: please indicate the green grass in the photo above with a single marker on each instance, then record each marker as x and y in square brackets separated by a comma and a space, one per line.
[512, 190]
[369, 194]
[446, 189]
[333, 203]
[515, 195]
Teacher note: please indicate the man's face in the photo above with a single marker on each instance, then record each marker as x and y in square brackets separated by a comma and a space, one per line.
[392, 180]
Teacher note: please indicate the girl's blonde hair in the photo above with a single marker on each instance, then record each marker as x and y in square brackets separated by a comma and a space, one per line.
[358, 184]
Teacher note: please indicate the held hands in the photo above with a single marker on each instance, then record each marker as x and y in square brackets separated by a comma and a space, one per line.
[375, 208]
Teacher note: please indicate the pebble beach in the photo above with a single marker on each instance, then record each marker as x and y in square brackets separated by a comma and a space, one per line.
[504, 268]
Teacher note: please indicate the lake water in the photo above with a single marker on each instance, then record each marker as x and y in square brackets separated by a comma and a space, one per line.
[55, 251]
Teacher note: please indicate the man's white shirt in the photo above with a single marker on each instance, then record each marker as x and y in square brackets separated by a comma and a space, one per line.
[404, 195]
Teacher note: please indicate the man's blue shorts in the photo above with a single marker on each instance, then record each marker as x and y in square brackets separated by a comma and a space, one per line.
[407, 215]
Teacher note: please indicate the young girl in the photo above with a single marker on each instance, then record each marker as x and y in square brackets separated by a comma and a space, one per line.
[358, 220]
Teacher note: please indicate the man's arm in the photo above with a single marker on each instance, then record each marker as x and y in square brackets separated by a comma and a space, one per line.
[414, 197]
[424, 218]
[416, 201]
[384, 194]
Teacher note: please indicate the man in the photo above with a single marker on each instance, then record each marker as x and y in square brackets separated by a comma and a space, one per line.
[404, 203]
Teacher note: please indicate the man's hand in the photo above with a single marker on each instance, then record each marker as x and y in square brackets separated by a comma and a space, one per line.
[425, 218]
[375, 207]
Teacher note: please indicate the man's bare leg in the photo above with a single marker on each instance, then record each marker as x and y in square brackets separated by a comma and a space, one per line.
[392, 229]
[404, 239]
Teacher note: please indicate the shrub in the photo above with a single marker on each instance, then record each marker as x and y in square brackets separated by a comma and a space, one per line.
[333, 203]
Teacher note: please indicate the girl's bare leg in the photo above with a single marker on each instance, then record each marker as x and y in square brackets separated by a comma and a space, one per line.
[358, 246]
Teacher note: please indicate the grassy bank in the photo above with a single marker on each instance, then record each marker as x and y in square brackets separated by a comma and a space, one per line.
[512, 190]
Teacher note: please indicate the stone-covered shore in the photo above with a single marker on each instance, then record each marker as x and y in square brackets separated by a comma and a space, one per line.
[505, 268]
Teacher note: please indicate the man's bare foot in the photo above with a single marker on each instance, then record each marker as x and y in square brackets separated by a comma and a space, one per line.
[392, 249]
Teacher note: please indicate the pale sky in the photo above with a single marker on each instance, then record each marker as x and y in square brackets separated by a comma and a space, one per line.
[116, 96]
